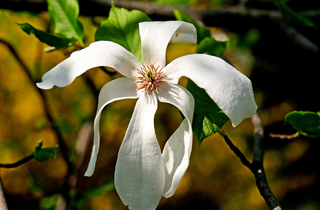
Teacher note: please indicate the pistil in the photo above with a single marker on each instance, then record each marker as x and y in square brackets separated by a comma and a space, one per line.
[150, 78]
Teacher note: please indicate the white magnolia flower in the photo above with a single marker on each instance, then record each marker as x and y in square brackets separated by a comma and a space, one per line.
[142, 173]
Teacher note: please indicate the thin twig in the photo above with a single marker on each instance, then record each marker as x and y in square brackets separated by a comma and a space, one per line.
[18, 163]
[284, 136]
[235, 149]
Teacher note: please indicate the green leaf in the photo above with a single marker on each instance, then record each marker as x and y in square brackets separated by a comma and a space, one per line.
[306, 123]
[64, 14]
[47, 38]
[208, 118]
[46, 153]
[122, 27]
[291, 16]
[211, 46]
[202, 32]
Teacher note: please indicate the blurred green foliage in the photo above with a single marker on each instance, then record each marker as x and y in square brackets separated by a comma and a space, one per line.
[202, 32]
[49, 203]
[293, 17]
[212, 47]
[80, 199]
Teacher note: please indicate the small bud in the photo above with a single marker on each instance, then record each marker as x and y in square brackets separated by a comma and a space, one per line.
[39, 145]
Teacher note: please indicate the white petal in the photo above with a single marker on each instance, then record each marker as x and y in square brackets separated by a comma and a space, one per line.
[155, 37]
[101, 53]
[122, 88]
[177, 150]
[230, 89]
[139, 175]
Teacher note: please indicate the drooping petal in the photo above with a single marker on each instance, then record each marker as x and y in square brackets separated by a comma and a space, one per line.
[122, 88]
[101, 53]
[177, 150]
[139, 175]
[229, 89]
[155, 37]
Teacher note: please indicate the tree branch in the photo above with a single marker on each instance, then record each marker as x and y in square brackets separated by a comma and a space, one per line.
[102, 7]
[49, 117]
[256, 167]
[3, 203]
[257, 163]
[297, 37]
[62, 145]
[226, 17]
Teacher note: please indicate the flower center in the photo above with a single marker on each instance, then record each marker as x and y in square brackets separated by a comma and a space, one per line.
[150, 75]
[150, 78]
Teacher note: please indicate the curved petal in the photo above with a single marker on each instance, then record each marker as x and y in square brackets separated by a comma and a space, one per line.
[101, 53]
[230, 89]
[139, 175]
[122, 88]
[176, 152]
[155, 37]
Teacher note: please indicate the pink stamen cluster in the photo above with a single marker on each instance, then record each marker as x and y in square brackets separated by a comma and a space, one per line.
[150, 78]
